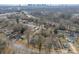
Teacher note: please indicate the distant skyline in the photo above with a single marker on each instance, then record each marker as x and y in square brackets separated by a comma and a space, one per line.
[25, 2]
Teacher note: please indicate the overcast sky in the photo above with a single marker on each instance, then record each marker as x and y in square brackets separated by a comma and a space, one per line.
[23, 2]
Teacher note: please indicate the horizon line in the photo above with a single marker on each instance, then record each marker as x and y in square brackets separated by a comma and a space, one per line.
[34, 4]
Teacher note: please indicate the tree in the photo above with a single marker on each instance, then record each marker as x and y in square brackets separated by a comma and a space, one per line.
[55, 31]
[28, 36]
[40, 41]
[61, 27]
[33, 42]
[49, 46]
[17, 19]
[22, 30]
[2, 46]
[3, 42]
